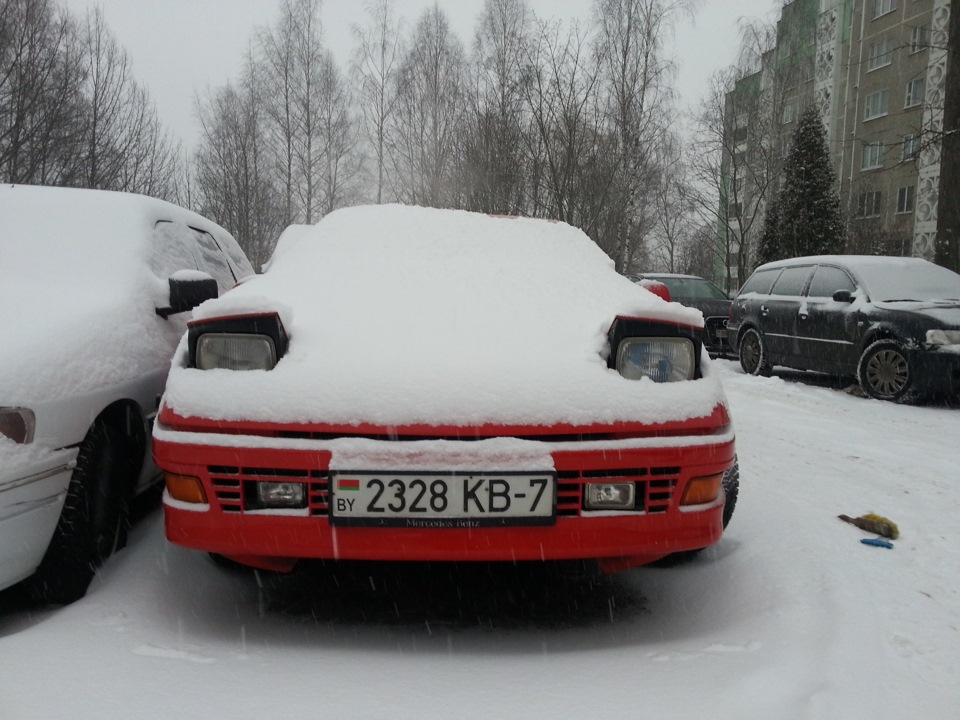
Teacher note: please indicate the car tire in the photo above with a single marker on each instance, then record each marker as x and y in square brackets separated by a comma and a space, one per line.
[753, 353]
[884, 372]
[731, 488]
[91, 523]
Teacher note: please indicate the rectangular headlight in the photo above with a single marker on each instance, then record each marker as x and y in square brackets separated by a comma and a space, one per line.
[662, 359]
[235, 351]
[943, 337]
[17, 424]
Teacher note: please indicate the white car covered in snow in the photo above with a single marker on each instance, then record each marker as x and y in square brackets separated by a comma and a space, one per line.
[95, 287]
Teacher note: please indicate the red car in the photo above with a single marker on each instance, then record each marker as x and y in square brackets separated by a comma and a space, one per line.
[436, 385]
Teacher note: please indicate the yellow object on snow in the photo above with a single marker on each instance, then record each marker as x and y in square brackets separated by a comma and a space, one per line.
[874, 523]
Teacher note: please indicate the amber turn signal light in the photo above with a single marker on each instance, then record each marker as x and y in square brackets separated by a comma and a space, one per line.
[702, 490]
[185, 488]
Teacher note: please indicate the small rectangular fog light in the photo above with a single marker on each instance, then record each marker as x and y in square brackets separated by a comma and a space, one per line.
[281, 494]
[609, 496]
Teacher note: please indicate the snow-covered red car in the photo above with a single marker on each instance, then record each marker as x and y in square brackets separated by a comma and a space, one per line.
[95, 287]
[437, 385]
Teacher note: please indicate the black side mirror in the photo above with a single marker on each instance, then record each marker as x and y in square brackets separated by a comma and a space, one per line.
[844, 296]
[188, 292]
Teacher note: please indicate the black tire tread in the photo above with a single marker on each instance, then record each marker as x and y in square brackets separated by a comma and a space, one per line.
[763, 367]
[77, 548]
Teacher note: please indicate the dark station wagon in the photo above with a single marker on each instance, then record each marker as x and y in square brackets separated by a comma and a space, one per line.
[893, 323]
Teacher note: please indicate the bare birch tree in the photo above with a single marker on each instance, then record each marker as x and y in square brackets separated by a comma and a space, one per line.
[673, 225]
[492, 160]
[376, 61]
[567, 144]
[428, 114]
[234, 183]
[737, 156]
[41, 100]
[629, 50]
[125, 146]
[292, 55]
[338, 134]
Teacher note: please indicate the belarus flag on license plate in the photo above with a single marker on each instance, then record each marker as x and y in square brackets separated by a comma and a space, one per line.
[344, 484]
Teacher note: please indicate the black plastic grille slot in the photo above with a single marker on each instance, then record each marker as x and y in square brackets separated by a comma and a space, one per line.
[659, 495]
[569, 494]
[227, 489]
[319, 493]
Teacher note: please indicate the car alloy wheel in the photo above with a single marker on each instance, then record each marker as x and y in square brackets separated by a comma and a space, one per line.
[885, 371]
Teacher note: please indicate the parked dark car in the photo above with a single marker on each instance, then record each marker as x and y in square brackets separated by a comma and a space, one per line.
[703, 295]
[893, 323]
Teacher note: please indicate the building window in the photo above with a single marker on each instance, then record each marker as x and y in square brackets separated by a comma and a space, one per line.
[881, 54]
[868, 204]
[919, 38]
[914, 93]
[911, 146]
[906, 199]
[789, 113]
[872, 157]
[882, 7]
[734, 210]
[877, 104]
[740, 135]
[790, 76]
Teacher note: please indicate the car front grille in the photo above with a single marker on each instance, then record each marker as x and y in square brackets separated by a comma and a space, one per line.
[713, 326]
[655, 487]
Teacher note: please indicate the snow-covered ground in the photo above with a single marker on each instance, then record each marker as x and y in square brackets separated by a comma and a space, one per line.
[790, 616]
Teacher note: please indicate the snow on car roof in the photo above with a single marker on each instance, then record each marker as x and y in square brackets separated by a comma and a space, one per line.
[890, 278]
[401, 315]
[74, 264]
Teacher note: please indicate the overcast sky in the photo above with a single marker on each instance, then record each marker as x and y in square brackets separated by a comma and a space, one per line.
[182, 47]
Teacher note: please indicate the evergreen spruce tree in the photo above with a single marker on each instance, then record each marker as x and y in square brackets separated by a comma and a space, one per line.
[768, 249]
[810, 219]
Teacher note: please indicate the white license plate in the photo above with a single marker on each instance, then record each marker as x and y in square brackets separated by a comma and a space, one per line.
[441, 500]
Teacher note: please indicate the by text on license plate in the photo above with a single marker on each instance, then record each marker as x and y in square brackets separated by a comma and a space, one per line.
[442, 500]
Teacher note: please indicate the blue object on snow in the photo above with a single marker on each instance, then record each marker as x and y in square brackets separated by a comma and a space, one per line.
[877, 542]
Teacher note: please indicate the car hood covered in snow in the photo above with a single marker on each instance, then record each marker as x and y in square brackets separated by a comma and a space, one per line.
[937, 314]
[401, 316]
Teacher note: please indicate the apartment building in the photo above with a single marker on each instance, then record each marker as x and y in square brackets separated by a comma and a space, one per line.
[876, 70]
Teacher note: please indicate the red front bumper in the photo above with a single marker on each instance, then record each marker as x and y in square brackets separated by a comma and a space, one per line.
[277, 541]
